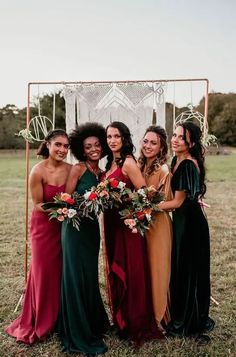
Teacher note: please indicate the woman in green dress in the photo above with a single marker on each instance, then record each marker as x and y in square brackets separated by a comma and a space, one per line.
[82, 319]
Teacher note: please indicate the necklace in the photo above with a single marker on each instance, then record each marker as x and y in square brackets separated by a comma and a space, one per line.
[95, 172]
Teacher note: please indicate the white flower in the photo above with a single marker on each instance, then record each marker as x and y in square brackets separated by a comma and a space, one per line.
[121, 184]
[71, 212]
[87, 194]
[149, 217]
[141, 192]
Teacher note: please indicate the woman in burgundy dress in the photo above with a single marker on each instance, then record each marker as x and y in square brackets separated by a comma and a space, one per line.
[42, 294]
[128, 276]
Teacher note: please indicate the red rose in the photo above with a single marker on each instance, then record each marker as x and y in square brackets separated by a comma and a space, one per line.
[114, 183]
[92, 196]
[140, 215]
[70, 201]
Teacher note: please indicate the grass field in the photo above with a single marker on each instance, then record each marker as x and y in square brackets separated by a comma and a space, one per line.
[221, 194]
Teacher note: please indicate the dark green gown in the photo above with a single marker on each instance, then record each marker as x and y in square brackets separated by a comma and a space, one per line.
[82, 318]
[190, 272]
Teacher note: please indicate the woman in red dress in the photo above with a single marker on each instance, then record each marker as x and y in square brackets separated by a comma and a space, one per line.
[128, 275]
[42, 294]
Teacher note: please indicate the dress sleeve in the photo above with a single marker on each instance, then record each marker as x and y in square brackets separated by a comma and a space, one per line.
[188, 179]
[161, 179]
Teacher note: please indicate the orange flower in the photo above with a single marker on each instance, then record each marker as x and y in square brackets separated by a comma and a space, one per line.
[65, 196]
[104, 193]
[147, 211]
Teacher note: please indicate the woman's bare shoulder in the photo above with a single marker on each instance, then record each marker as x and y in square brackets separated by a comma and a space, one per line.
[129, 160]
[78, 168]
[68, 166]
[38, 168]
[38, 172]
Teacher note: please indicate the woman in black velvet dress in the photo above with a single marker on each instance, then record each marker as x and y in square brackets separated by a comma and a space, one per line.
[190, 272]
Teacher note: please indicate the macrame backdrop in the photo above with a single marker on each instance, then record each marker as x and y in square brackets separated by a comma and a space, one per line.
[129, 102]
[132, 102]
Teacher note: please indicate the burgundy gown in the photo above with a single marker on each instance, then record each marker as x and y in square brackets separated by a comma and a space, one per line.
[42, 294]
[128, 277]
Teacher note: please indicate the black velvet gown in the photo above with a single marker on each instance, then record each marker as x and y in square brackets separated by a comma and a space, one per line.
[190, 271]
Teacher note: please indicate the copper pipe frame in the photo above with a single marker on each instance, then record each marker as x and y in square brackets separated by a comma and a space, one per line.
[87, 82]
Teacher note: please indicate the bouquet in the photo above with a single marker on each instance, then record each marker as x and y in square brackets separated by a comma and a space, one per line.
[65, 207]
[137, 208]
[141, 210]
[107, 194]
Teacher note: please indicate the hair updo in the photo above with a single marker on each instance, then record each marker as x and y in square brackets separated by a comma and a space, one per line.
[52, 134]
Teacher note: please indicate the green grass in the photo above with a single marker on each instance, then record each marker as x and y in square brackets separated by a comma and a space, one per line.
[221, 192]
[221, 168]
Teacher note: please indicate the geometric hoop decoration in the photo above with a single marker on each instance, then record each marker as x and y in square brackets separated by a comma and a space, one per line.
[197, 118]
[193, 116]
[39, 127]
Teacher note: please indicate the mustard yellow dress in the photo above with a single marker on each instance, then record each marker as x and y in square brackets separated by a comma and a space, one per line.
[159, 242]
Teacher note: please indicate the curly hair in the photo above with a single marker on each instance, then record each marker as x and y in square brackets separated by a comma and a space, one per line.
[161, 157]
[82, 132]
[43, 150]
[127, 144]
[197, 151]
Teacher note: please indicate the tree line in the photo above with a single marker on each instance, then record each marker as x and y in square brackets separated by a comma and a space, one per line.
[221, 118]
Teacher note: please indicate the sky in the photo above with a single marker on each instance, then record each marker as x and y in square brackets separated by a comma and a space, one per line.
[93, 40]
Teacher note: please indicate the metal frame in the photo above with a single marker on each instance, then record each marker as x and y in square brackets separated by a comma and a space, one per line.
[88, 82]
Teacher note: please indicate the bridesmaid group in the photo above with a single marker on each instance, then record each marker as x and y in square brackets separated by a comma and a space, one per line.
[158, 285]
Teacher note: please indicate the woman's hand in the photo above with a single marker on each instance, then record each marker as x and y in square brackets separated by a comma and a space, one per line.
[171, 205]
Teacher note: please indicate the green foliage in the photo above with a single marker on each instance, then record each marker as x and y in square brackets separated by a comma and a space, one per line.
[12, 120]
[46, 108]
[222, 117]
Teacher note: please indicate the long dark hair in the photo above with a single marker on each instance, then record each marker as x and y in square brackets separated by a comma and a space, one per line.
[127, 144]
[82, 132]
[197, 150]
[43, 150]
[161, 157]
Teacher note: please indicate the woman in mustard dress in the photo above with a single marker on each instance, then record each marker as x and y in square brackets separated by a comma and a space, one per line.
[159, 237]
